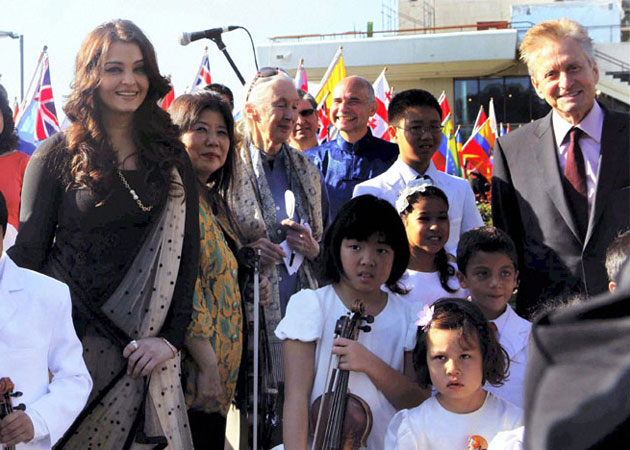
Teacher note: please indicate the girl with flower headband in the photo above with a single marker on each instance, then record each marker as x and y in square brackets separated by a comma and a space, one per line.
[365, 247]
[431, 271]
[457, 353]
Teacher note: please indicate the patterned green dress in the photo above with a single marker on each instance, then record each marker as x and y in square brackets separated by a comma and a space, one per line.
[217, 313]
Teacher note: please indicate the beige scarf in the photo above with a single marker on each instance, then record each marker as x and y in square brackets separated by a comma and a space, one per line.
[251, 202]
[138, 307]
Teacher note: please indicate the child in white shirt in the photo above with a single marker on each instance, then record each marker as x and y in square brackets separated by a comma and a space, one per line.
[456, 353]
[365, 247]
[487, 268]
[430, 274]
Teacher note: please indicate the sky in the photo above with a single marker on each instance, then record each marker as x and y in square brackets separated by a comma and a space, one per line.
[63, 24]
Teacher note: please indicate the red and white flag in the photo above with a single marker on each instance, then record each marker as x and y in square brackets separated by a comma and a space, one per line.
[493, 118]
[168, 99]
[324, 121]
[301, 82]
[480, 120]
[378, 122]
[446, 109]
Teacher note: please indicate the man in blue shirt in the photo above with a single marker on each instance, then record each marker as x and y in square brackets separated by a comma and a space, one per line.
[355, 155]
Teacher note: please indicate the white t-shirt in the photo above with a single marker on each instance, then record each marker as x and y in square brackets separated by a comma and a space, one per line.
[508, 440]
[425, 287]
[311, 317]
[431, 427]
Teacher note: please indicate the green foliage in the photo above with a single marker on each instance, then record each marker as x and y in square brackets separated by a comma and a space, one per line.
[485, 211]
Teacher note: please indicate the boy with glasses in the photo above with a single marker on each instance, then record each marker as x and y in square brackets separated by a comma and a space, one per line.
[415, 119]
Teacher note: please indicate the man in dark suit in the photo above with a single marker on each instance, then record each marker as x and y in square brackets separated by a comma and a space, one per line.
[561, 185]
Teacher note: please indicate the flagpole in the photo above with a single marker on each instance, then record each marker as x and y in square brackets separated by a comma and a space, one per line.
[27, 99]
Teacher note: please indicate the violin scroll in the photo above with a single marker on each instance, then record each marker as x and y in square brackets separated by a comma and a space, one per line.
[6, 404]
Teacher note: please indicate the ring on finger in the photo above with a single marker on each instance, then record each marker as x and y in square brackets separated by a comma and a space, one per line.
[301, 236]
[134, 344]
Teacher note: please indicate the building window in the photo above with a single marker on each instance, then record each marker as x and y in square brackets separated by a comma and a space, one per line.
[515, 101]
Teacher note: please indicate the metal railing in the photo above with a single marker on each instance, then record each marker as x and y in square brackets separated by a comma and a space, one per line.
[623, 66]
[479, 26]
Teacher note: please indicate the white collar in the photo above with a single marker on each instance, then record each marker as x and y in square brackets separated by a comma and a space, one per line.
[407, 173]
[502, 319]
[592, 125]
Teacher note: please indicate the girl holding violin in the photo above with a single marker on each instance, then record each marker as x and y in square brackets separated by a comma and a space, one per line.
[365, 247]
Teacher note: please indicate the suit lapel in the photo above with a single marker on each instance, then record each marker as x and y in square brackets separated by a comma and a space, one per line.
[613, 132]
[547, 160]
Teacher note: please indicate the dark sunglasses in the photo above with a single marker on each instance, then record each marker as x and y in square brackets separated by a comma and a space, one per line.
[264, 72]
[307, 112]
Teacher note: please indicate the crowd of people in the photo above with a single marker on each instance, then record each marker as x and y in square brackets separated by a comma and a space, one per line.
[148, 241]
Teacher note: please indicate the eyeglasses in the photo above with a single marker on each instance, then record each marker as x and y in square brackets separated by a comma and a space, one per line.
[306, 112]
[419, 131]
[264, 72]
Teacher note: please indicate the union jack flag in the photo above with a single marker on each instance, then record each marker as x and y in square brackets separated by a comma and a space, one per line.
[46, 123]
[37, 117]
[203, 77]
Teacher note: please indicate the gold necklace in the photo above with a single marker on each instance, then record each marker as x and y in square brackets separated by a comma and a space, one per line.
[133, 193]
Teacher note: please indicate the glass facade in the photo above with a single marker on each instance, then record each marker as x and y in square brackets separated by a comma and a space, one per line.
[515, 101]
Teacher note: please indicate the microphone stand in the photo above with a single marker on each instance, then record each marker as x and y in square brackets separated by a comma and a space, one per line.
[256, 332]
[217, 40]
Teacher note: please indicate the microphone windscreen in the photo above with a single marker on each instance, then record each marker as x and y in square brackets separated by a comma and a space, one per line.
[184, 39]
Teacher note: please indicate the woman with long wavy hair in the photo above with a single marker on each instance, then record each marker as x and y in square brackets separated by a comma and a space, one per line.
[110, 207]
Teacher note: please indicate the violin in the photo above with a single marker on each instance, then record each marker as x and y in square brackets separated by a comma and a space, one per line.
[341, 420]
[6, 403]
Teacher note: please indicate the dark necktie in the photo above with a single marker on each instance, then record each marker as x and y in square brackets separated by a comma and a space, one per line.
[575, 173]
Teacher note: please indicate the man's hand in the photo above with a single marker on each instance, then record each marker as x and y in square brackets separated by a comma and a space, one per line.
[16, 428]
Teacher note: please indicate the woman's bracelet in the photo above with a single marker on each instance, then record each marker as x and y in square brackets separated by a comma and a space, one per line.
[171, 346]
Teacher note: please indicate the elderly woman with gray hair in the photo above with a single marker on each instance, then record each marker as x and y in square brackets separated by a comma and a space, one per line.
[278, 197]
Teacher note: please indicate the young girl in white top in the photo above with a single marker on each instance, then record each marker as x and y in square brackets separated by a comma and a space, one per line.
[430, 275]
[457, 353]
[365, 247]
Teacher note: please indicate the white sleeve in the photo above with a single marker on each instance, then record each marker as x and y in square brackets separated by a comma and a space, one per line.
[303, 319]
[471, 217]
[399, 435]
[71, 383]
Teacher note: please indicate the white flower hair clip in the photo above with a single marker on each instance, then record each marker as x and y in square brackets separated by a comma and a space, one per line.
[424, 317]
[415, 185]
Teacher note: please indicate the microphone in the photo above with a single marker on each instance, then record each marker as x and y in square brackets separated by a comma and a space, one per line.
[187, 38]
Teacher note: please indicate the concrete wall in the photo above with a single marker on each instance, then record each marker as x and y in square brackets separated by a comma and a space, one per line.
[602, 18]
[412, 13]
